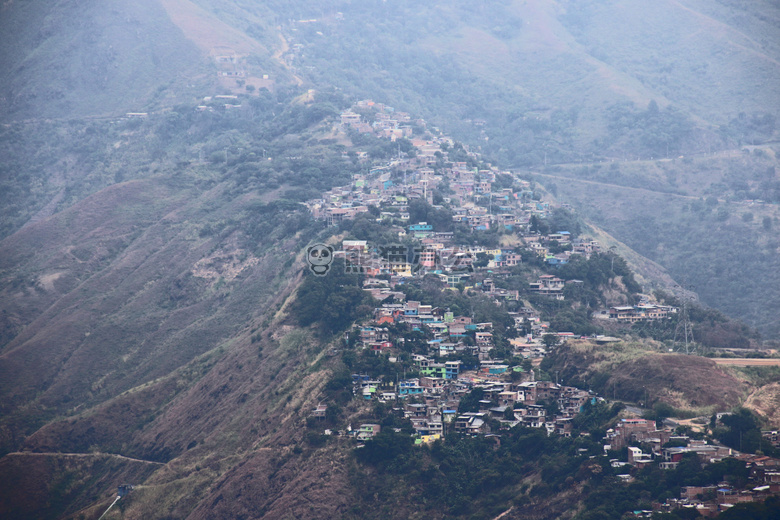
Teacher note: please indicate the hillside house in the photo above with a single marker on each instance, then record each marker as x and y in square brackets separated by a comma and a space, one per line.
[642, 312]
[706, 452]
[368, 431]
[409, 387]
[471, 423]
[548, 285]
[532, 416]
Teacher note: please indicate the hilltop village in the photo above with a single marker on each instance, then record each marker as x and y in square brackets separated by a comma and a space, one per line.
[471, 228]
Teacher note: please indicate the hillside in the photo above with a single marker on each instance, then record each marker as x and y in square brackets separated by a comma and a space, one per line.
[66, 60]
[160, 325]
[70, 60]
[525, 79]
[520, 78]
[711, 221]
[139, 309]
[161, 330]
[643, 372]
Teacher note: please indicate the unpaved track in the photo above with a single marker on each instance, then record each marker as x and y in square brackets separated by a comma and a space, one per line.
[84, 455]
[747, 362]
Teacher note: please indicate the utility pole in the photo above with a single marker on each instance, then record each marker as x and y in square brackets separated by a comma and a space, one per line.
[684, 321]
[612, 262]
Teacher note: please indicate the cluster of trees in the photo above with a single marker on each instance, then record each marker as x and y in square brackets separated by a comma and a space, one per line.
[750, 128]
[439, 218]
[741, 430]
[560, 219]
[767, 510]
[711, 328]
[473, 477]
[652, 132]
[332, 302]
[265, 144]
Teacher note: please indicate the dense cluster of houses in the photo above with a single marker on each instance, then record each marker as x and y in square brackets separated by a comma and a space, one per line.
[480, 203]
[476, 201]
[710, 501]
[509, 395]
[632, 432]
[668, 449]
[431, 401]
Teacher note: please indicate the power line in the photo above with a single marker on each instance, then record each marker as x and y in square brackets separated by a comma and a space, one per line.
[684, 328]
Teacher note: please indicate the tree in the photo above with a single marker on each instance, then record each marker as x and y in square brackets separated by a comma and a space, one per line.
[538, 225]
[470, 401]
[742, 432]
[550, 340]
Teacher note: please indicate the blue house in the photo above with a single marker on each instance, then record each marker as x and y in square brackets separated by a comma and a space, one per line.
[410, 387]
[452, 369]
[420, 227]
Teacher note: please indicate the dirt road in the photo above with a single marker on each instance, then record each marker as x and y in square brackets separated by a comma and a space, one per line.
[747, 362]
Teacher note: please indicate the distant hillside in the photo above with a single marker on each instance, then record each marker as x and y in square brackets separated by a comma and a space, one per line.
[538, 81]
[66, 60]
[63, 59]
[523, 79]
[697, 218]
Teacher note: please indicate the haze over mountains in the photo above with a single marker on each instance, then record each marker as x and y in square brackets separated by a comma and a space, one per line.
[655, 120]
[532, 82]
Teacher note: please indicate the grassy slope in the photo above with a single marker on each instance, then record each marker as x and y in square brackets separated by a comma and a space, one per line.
[635, 371]
[711, 58]
[123, 289]
[69, 59]
[128, 353]
[65, 60]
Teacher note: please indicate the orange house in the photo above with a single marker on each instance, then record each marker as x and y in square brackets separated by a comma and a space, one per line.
[385, 319]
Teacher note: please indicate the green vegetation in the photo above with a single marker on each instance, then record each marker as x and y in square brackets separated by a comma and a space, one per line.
[333, 302]
[467, 477]
[269, 144]
[700, 239]
[609, 501]
[649, 133]
[741, 430]
[767, 510]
